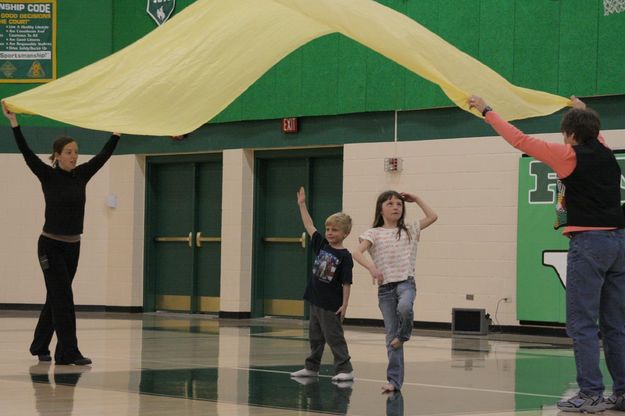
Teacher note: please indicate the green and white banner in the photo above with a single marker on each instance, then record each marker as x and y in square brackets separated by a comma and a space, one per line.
[541, 250]
[27, 41]
[160, 10]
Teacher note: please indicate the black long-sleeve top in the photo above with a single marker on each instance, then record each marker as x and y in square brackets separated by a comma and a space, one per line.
[64, 192]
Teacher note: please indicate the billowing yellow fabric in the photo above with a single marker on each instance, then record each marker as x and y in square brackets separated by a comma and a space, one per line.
[188, 70]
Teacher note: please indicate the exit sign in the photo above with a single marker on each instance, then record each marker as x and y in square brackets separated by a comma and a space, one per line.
[289, 125]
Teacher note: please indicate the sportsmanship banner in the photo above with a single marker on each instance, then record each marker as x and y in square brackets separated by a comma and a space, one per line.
[27, 41]
[541, 250]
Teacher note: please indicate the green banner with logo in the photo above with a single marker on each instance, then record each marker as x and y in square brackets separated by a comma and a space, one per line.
[541, 250]
[160, 10]
[27, 41]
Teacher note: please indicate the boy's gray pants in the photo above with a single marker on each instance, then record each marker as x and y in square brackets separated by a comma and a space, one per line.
[325, 327]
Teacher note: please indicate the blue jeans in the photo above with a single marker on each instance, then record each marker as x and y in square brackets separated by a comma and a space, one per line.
[595, 291]
[396, 302]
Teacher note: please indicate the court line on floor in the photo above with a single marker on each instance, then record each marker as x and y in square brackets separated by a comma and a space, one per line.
[179, 365]
[413, 384]
[381, 381]
[189, 365]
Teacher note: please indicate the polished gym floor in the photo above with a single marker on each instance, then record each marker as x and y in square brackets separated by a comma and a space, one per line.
[168, 364]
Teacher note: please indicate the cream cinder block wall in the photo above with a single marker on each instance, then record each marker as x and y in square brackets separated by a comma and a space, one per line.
[236, 230]
[110, 270]
[126, 231]
[472, 184]
[21, 222]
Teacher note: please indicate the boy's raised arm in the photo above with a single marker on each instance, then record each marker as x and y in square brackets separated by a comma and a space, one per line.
[306, 219]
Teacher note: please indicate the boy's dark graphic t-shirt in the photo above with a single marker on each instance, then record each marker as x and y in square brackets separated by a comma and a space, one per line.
[331, 269]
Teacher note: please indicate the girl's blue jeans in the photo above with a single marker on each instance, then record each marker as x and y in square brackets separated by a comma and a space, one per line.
[396, 302]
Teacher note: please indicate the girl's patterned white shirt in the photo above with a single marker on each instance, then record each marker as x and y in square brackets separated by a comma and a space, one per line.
[394, 258]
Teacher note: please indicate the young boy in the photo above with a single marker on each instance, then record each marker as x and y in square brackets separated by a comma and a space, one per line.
[328, 293]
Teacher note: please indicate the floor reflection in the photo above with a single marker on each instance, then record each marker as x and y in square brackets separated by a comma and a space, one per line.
[232, 365]
[317, 396]
[395, 404]
[60, 392]
[469, 352]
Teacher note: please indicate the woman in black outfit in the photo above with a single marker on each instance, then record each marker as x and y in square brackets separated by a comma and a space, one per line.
[63, 186]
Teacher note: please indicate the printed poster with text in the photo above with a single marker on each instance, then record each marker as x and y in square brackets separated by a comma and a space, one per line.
[27, 41]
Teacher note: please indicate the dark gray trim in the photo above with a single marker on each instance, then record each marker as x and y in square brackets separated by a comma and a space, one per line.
[412, 125]
[79, 308]
[550, 331]
[235, 315]
[124, 309]
[20, 306]
[525, 328]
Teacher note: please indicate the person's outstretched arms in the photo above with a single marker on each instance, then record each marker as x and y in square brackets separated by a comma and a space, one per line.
[36, 165]
[306, 219]
[478, 103]
[558, 156]
[9, 115]
[430, 215]
[577, 103]
[95, 164]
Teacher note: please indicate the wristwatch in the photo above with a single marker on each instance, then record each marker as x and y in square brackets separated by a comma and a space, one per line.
[486, 110]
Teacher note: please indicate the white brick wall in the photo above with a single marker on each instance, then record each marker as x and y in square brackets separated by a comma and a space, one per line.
[470, 182]
[110, 271]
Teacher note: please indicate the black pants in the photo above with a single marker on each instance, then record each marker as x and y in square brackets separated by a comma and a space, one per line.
[58, 261]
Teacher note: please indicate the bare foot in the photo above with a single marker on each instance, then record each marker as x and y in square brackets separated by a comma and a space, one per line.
[396, 343]
[388, 388]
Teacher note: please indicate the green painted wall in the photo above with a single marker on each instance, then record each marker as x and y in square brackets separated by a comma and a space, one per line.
[563, 47]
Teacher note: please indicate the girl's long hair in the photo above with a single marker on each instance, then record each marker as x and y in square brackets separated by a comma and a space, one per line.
[378, 221]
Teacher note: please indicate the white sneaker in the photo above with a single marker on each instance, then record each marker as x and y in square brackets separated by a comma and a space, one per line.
[304, 372]
[304, 381]
[343, 376]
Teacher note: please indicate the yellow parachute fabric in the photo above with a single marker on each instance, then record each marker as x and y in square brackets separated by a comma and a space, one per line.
[188, 70]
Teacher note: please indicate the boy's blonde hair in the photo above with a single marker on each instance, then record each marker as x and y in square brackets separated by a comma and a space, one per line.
[341, 220]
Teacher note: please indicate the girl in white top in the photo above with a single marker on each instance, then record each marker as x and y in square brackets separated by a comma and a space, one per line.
[392, 246]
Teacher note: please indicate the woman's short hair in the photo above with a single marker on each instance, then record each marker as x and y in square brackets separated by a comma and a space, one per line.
[583, 122]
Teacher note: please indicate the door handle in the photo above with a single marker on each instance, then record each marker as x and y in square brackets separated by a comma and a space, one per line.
[199, 239]
[188, 239]
[299, 240]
